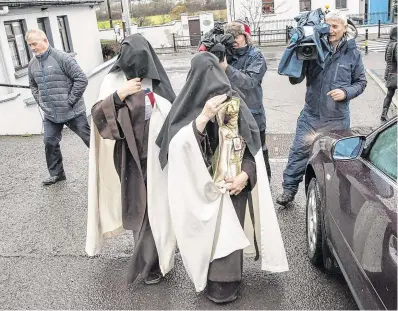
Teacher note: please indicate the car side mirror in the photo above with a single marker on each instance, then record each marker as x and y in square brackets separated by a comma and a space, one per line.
[348, 148]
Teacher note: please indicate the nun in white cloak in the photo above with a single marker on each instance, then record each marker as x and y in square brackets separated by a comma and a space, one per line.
[125, 178]
[217, 183]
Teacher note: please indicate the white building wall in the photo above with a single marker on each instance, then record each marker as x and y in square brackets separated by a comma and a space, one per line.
[4, 67]
[84, 32]
[353, 6]
[185, 24]
[158, 36]
[285, 9]
[17, 119]
[206, 21]
[15, 116]
[107, 34]
[161, 36]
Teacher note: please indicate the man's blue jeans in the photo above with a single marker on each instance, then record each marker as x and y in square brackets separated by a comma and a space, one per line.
[308, 128]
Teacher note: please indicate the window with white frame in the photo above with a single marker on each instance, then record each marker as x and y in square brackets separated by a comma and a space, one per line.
[305, 5]
[268, 7]
[16, 41]
[65, 33]
[341, 4]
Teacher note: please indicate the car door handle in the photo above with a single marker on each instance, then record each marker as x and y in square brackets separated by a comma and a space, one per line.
[392, 248]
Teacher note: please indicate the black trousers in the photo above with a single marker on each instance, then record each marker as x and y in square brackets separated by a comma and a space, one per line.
[53, 136]
[387, 101]
[265, 153]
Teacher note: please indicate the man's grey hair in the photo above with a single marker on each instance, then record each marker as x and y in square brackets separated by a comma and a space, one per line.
[40, 33]
[337, 15]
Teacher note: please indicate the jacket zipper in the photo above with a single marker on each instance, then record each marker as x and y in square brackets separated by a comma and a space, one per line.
[324, 70]
[45, 86]
[337, 69]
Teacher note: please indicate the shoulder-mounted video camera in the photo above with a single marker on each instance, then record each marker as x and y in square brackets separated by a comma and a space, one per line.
[216, 42]
[305, 50]
[308, 24]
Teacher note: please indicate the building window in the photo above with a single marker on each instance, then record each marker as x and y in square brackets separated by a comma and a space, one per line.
[268, 6]
[305, 5]
[41, 24]
[16, 41]
[44, 24]
[341, 4]
[64, 33]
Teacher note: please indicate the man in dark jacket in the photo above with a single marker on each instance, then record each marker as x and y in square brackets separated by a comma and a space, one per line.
[390, 75]
[57, 83]
[245, 69]
[328, 95]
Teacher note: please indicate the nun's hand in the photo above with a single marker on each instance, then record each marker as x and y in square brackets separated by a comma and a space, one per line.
[237, 184]
[224, 64]
[212, 106]
[129, 88]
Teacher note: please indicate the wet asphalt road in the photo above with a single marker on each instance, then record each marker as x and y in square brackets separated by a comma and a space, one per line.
[43, 264]
[42, 260]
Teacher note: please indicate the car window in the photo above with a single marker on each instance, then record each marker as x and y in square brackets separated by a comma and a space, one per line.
[383, 153]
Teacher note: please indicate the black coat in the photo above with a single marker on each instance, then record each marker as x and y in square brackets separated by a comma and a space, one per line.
[390, 74]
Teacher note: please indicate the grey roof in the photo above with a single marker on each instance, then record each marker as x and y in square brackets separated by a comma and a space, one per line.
[25, 3]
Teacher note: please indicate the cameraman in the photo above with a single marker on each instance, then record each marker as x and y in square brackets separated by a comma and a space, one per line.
[328, 95]
[245, 69]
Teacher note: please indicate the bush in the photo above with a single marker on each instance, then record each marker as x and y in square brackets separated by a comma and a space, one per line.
[110, 49]
[220, 15]
[175, 13]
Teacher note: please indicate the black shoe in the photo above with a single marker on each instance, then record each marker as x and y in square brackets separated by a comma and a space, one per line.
[153, 278]
[53, 180]
[222, 292]
[383, 119]
[285, 198]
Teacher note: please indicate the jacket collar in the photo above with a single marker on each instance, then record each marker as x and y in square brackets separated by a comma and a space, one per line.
[44, 56]
[345, 45]
[351, 44]
[241, 51]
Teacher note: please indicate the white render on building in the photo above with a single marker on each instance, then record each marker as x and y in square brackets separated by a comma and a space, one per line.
[288, 9]
[71, 27]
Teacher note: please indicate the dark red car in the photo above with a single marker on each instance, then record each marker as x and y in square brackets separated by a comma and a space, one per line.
[351, 208]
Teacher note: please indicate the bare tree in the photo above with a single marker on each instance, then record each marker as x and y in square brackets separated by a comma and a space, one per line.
[140, 12]
[257, 13]
[142, 21]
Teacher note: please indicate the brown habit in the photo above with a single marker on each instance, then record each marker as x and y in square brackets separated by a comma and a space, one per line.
[127, 125]
[229, 268]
